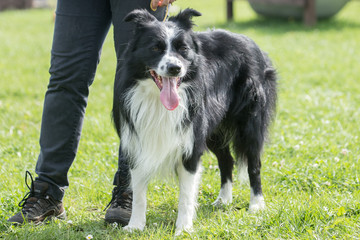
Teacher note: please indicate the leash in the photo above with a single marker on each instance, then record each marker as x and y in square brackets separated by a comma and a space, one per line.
[159, 4]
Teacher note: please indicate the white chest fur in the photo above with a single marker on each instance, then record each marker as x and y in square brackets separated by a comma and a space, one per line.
[159, 140]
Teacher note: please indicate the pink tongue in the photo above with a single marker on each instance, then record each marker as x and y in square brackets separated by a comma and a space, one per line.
[169, 95]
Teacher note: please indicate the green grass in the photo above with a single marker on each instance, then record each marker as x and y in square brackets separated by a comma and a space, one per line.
[310, 168]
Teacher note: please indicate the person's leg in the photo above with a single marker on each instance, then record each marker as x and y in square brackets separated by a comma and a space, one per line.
[120, 205]
[80, 29]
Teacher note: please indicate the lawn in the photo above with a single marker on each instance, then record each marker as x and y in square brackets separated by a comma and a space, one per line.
[310, 167]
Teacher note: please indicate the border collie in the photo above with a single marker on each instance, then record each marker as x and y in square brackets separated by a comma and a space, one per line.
[180, 93]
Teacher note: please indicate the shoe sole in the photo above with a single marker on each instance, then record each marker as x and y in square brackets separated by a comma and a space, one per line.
[61, 216]
[48, 219]
[120, 221]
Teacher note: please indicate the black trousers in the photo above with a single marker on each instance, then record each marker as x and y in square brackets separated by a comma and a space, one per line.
[80, 29]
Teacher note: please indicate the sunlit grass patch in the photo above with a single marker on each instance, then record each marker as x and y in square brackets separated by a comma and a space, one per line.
[310, 170]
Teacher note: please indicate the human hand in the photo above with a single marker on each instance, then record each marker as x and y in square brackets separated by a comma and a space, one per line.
[160, 3]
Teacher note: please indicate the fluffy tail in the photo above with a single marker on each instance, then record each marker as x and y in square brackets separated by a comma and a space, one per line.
[242, 168]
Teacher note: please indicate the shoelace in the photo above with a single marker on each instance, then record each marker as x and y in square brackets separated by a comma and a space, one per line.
[120, 199]
[31, 188]
[27, 205]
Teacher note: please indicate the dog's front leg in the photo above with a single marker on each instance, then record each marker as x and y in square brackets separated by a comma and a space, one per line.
[189, 183]
[138, 215]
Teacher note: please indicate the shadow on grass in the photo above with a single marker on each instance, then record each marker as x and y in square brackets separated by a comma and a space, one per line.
[164, 217]
[280, 26]
[160, 221]
[235, 206]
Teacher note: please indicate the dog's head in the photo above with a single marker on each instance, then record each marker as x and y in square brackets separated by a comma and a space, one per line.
[166, 50]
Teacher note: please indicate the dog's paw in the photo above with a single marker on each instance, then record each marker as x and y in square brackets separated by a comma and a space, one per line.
[181, 230]
[225, 195]
[183, 224]
[221, 201]
[256, 208]
[178, 232]
[132, 228]
[217, 203]
[256, 205]
[257, 202]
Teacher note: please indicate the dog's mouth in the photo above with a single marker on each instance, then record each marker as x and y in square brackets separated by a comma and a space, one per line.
[168, 86]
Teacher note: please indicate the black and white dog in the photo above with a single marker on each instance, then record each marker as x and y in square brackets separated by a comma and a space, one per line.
[180, 93]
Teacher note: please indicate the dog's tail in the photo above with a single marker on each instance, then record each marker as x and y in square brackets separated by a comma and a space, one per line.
[253, 127]
[242, 168]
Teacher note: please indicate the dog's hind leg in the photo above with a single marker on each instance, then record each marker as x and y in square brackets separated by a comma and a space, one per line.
[189, 183]
[226, 164]
[139, 186]
[248, 144]
[256, 197]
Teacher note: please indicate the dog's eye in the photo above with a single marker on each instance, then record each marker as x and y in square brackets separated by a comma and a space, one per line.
[183, 49]
[156, 49]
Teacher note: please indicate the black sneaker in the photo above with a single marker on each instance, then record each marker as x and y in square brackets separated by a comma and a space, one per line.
[120, 207]
[38, 207]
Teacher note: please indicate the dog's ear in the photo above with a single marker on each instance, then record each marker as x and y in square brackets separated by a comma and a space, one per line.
[184, 18]
[140, 17]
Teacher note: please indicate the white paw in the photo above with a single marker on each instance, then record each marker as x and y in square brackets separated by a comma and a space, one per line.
[256, 206]
[222, 201]
[132, 228]
[225, 195]
[180, 230]
[257, 202]
[217, 202]
[183, 223]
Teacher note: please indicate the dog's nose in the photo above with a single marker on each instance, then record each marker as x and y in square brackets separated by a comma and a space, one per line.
[173, 69]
